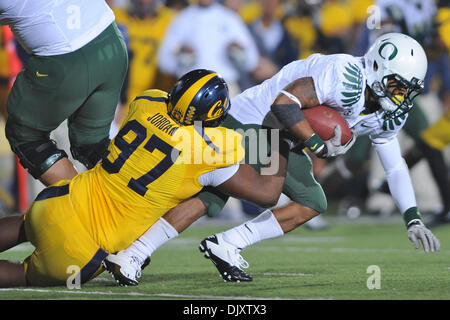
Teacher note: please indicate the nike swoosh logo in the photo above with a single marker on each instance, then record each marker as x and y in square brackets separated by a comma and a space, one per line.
[168, 237]
[365, 126]
[314, 147]
[38, 74]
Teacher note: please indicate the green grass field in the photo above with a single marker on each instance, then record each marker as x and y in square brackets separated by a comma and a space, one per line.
[304, 264]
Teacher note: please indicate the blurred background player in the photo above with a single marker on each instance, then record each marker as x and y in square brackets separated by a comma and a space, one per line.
[272, 39]
[151, 166]
[76, 71]
[145, 23]
[218, 40]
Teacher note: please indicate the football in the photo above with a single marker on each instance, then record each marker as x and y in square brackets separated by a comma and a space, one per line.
[324, 119]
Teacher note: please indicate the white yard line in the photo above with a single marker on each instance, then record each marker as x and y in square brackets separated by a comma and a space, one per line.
[344, 250]
[287, 274]
[138, 294]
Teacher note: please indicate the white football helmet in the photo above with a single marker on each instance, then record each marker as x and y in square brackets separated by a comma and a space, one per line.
[398, 57]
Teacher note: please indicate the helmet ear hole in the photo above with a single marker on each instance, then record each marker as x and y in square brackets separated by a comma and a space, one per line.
[375, 66]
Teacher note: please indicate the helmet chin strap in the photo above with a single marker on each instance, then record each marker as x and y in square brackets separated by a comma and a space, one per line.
[384, 101]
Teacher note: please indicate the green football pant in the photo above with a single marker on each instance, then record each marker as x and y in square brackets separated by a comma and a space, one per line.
[300, 185]
[82, 86]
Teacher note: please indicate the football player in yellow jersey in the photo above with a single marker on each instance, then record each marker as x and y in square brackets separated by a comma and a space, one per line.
[168, 148]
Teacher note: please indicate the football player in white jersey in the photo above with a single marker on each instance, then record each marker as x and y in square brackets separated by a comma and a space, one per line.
[373, 93]
[415, 18]
[76, 70]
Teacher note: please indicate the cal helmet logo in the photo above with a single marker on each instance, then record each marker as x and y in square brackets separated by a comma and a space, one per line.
[388, 50]
[217, 110]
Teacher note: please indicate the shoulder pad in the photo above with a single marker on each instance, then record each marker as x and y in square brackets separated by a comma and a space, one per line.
[228, 143]
[216, 147]
[152, 99]
[152, 93]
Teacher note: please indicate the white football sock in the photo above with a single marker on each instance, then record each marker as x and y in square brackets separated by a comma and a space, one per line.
[158, 234]
[264, 226]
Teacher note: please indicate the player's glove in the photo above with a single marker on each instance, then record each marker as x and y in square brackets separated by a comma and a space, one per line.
[417, 231]
[332, 147]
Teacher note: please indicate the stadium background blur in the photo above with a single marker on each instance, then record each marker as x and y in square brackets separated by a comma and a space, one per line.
[278, 32]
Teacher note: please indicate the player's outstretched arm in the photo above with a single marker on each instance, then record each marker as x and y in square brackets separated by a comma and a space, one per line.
[259, 188]
[401, 188]
[287, 108]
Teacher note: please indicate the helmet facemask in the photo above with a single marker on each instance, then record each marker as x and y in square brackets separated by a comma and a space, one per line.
[395, 94]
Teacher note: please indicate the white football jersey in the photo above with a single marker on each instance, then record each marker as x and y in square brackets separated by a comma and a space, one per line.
[340, 83]
[208, 31]
[52, 27]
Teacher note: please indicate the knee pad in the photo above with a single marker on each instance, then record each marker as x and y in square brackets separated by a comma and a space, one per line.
[37, 157]
[90, 154]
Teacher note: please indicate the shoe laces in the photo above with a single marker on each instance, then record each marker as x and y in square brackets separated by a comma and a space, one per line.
[239, 261]
[136, 263]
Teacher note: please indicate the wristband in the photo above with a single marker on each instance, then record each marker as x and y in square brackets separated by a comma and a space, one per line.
[411, 214]
[314, 143]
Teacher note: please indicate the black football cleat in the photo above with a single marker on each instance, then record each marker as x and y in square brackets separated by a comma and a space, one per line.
[226, 258]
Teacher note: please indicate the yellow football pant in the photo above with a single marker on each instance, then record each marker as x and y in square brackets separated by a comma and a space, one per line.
[62, 244]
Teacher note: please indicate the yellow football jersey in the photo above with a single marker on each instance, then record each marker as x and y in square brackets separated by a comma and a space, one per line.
[438, 134]
[303, 31]
[144, 36]
[4, 70]
[153, 164]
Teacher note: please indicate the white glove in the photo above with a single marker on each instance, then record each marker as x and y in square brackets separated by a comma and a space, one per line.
[334, 147]
[417, 231]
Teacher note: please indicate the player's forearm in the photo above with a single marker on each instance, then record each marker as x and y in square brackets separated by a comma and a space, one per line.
[287, 106]
[263, 188]
[401, 188]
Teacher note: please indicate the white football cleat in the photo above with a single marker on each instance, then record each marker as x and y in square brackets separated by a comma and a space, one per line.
[124, 268]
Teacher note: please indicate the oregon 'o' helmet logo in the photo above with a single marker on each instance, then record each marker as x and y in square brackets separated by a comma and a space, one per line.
[388, 50]
[200, 95]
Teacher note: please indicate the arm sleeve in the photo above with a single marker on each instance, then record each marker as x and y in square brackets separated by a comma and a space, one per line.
[218, 176]
[397, 174]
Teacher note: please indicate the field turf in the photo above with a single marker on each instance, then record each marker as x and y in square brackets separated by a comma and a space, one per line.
[331, 264]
